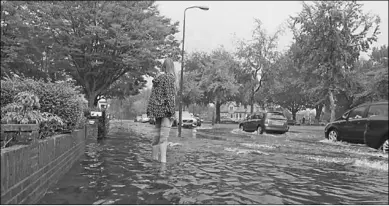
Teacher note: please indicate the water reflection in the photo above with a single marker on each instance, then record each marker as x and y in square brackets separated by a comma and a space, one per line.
[209, 170]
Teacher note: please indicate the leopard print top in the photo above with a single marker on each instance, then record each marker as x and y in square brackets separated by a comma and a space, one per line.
[162, 98]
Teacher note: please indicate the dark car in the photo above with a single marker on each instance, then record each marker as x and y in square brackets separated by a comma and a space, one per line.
[366, 123]
[251, 123]
[265, 122]
[274, 122]
[376, 131]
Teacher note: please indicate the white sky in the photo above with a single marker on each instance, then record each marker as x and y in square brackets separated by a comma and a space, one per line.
[227, 21]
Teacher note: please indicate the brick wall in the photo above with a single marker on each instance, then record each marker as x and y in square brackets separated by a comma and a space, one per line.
[27, 171]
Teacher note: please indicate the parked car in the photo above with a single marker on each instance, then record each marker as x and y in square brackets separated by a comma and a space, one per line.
[376, 133]
[144, 118]
[274, 122]
[251, 123]
[187, 120]
[366, 123]
[264, 122]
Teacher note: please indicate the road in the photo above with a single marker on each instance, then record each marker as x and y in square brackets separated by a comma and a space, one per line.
[224, 166]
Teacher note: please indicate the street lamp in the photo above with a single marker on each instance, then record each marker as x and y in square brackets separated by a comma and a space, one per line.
[182, 66]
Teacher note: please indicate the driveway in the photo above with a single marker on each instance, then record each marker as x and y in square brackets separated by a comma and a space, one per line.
[224, 166]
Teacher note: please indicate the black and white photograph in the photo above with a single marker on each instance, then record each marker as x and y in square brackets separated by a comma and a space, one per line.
[194, 103]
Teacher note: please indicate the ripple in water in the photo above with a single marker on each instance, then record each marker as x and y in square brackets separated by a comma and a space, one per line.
[119, 170]
[245, 151]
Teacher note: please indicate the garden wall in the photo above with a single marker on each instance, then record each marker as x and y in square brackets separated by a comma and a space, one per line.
[27, 171]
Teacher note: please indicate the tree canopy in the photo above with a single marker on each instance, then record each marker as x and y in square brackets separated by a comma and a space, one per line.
[256, 57]
[332, 34]
[95, 43]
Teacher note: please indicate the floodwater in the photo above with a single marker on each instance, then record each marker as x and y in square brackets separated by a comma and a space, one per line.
[224, 166]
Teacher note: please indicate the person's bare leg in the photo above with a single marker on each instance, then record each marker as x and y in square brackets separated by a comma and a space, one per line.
[155, 143]
[165, 130]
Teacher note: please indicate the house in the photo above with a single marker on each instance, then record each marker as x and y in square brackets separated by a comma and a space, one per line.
[237, 112]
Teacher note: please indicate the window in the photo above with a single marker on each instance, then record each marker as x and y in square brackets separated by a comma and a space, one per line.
[357, 113]
[378, 110]
[231, 108]
[275, 116]
[232, 116]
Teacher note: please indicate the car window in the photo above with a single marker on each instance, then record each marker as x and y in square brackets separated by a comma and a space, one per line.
[275, 116]
[378, 110]
[186, 115]
[357, 113]
[260, 115]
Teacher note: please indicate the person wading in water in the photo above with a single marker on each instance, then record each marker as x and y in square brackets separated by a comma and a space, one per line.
[161, 106]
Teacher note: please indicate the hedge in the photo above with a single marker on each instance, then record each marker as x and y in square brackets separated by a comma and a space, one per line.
[59, 98]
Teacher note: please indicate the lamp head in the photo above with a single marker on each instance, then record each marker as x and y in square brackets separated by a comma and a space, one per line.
[203, 7]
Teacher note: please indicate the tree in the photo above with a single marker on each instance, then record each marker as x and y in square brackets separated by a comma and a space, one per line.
[218, 81]
[372, 76]
[311, 97]
[286, 90]
[96, 43]
[140, 103]
[257, 56]
[192, 92]
[332, 34]
[26, 48]
[211, 78]
[129, 84]
[380, 55]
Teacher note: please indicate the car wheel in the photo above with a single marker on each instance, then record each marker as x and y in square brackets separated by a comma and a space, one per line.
[385, 146]
[333, 135]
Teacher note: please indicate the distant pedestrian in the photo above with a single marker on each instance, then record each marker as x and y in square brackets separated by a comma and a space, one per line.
[303, 120]
[161, 106]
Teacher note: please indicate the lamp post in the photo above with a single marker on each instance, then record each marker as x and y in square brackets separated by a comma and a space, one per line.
[182, 67]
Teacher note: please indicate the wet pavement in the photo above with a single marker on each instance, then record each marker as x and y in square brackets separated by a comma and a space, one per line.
[224, 166]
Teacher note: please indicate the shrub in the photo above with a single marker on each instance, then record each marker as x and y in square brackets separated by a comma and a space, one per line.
[60, 98]
[25, 110]
[21, 110]
[50, 125]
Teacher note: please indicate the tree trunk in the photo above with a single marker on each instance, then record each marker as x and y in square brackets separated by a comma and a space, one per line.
[332, 105]
[218, 112]
[294, 115]
[252, 102]
[91, 99]
[319, 109]
[96, 101]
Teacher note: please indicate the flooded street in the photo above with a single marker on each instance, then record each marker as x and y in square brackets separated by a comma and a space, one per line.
[224, 166]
